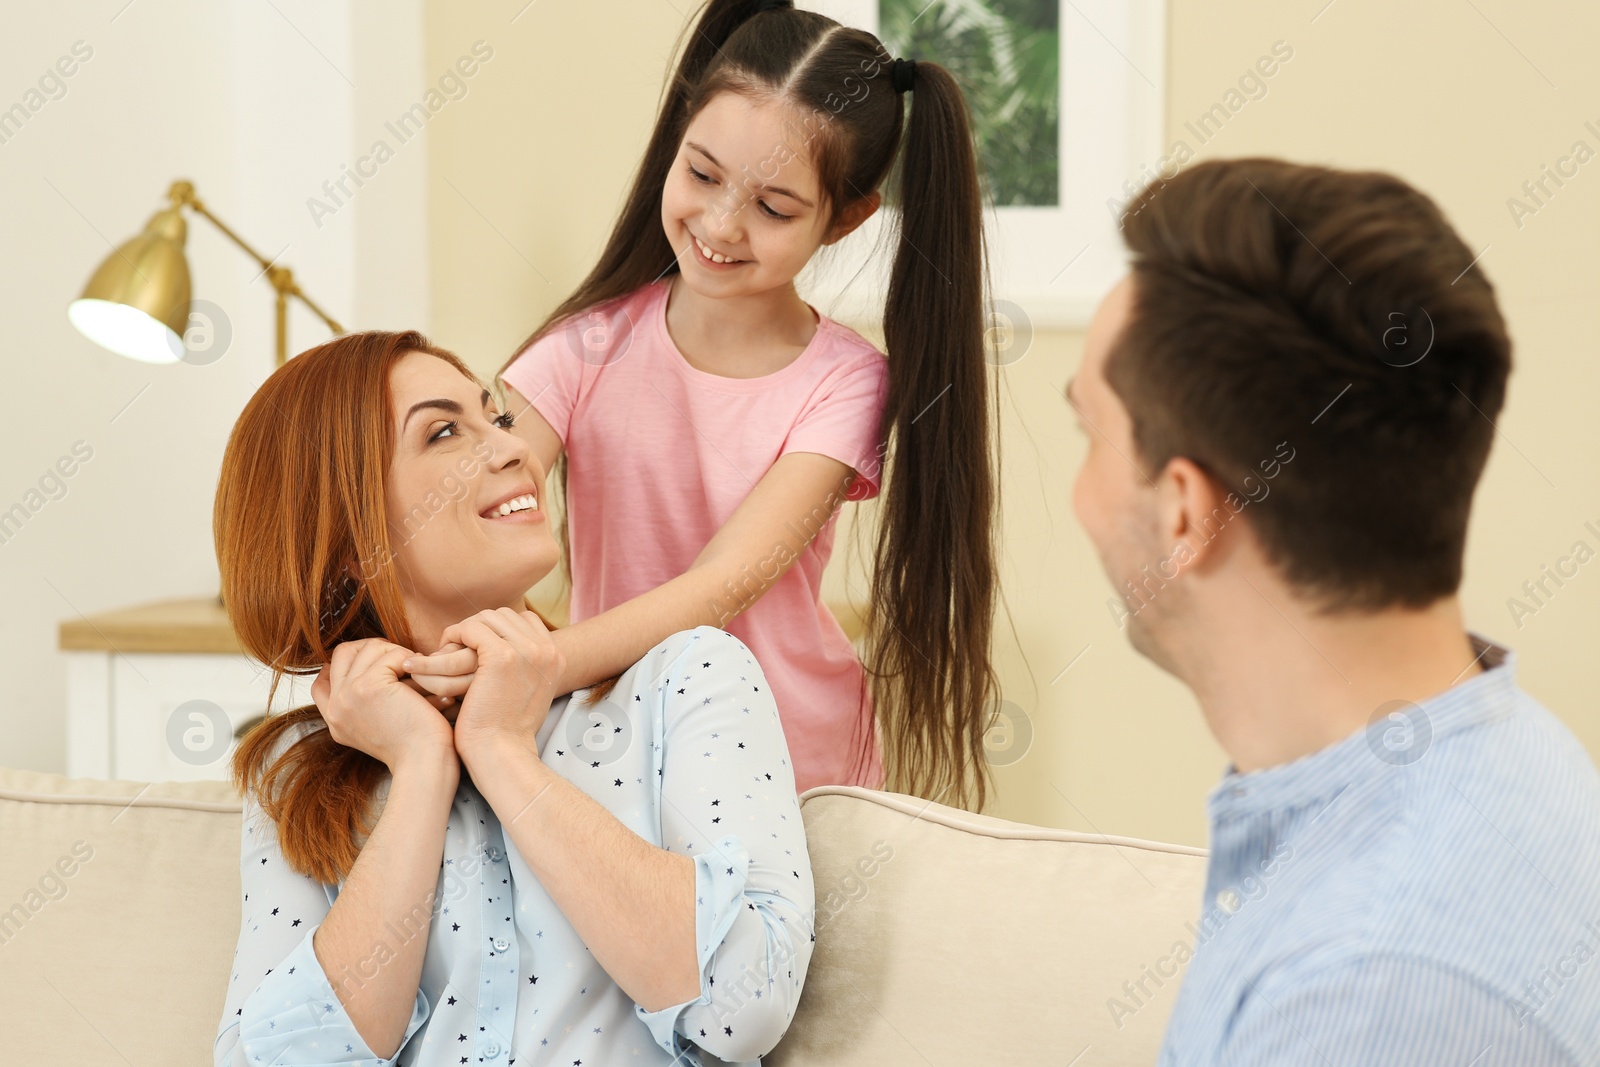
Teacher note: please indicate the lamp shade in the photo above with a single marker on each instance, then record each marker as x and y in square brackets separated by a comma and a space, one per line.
[137, 302]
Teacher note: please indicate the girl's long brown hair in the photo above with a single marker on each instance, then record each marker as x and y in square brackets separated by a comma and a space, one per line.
[934, 581]
[305, 553]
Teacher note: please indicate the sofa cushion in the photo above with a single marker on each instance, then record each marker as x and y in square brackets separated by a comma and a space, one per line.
[948, 937]
[119, 912]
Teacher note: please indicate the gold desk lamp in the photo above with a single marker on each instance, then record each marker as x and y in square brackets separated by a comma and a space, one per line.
[137, 302]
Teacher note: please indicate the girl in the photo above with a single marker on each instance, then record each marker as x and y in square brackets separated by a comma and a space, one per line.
[709, 422]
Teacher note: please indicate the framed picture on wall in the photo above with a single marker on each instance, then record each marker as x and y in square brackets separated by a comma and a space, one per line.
[1067, 104]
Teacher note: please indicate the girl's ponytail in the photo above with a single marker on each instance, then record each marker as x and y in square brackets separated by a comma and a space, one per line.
[934, 582]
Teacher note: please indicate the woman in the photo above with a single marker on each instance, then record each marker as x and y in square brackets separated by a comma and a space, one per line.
[534, 877]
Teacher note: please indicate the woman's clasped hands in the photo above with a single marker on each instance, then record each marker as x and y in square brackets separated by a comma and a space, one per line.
[491, 681]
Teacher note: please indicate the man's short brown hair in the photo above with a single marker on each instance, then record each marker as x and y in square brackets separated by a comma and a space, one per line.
[1336, 311]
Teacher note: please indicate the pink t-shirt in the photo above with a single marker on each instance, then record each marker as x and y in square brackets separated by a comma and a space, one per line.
[660, 454]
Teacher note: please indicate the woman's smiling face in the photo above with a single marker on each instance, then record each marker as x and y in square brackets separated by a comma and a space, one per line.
[465, 496]
[742, 206]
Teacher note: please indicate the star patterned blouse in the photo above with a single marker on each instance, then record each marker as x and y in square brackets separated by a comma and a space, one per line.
[686, 751]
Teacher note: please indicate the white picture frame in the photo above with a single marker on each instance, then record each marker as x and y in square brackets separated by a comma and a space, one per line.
[1051, 263]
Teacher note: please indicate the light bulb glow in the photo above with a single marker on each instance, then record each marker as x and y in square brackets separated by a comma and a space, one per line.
[126, 331]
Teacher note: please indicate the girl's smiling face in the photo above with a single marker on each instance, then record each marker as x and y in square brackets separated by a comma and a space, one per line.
[742, 205]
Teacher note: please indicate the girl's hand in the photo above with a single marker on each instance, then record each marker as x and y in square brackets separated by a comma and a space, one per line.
[368, 707]
[518, 673]
[446, 673]
[443, 703]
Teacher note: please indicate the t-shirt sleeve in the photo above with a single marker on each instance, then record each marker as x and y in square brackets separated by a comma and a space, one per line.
[843, 421]
[555, 371]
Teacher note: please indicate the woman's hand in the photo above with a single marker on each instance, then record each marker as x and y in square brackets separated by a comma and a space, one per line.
[367, 705]
[518, 674]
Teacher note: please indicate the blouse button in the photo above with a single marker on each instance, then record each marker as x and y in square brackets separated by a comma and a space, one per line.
[500, 945]
[491, 1050]
[494, 853]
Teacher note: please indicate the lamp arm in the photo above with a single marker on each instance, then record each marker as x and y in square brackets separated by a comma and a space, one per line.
[182, 192]
[294, 290]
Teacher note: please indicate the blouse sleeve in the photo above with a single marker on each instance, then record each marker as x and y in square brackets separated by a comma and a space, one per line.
[728, 800]
[280, 1008]
[844, 421]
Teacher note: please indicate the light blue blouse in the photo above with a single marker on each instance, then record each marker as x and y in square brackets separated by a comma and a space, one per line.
[688, 752]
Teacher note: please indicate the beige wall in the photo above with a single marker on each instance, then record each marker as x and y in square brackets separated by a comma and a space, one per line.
[526, 180]
[523, 175]
[258, 105]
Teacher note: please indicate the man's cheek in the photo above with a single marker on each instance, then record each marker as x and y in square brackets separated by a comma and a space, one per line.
[1092, 498]
[1097, 521]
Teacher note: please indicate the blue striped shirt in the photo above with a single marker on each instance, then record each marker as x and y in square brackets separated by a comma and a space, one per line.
[1426, 891]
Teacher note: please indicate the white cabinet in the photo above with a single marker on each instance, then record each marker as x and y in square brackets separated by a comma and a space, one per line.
[154, 717]
[157, 693]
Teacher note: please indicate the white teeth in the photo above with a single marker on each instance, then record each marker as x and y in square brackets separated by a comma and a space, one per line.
[525, 502]
[715, 257]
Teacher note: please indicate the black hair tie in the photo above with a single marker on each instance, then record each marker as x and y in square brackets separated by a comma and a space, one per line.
[904, 75]
[773, 5]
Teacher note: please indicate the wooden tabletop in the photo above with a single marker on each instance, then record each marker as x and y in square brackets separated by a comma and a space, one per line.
[196, 624]
[199, 624]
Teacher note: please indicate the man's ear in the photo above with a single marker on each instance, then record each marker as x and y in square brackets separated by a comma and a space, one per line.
[857, 212]
[1195, 509]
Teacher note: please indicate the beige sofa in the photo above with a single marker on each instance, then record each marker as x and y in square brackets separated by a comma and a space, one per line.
[942, 937]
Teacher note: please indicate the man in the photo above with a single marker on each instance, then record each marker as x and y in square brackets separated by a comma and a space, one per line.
[1288, 404]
